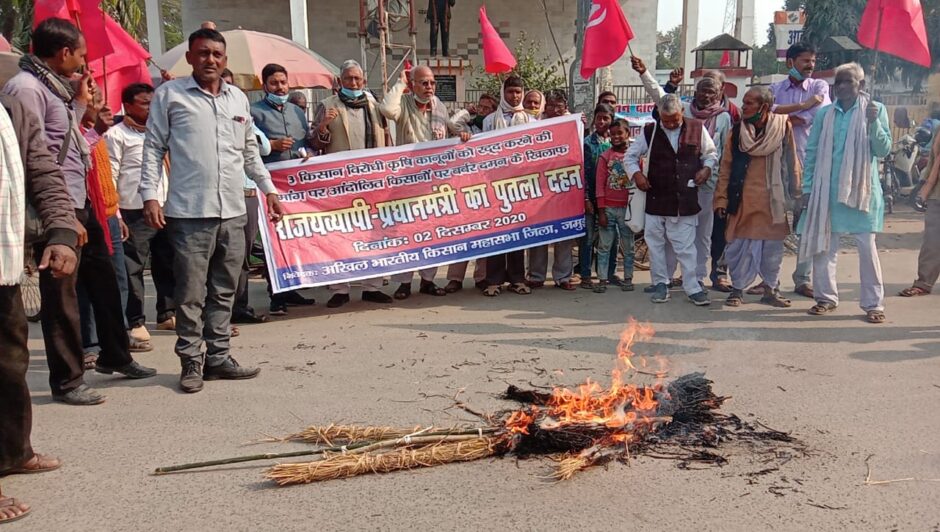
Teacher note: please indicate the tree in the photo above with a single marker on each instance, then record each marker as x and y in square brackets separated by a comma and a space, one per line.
[825, 18]
[537, 70]
[669, 49]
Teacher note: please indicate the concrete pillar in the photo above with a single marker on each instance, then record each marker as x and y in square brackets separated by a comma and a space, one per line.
[744, 29]
[298, 22]
[689, 36]
[156, 44]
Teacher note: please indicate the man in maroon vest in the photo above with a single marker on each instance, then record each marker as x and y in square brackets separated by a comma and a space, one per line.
[680, 156]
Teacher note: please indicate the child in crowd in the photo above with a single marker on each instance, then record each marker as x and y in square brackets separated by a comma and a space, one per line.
[613, 208]
[594, 145]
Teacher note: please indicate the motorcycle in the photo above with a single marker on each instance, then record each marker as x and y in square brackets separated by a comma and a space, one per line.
[924, 139]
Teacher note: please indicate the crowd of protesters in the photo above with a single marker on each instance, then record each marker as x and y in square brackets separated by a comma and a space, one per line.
[174, 184]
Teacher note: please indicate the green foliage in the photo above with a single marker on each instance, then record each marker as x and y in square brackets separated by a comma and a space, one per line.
[669, 49]
[536, 69]
[825, 18]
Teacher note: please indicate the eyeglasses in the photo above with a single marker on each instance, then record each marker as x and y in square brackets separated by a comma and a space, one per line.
[428, 83]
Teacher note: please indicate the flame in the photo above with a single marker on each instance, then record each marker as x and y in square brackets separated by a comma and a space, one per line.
[623, 407]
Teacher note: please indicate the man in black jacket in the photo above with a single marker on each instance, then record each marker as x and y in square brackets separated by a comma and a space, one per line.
[680, 157]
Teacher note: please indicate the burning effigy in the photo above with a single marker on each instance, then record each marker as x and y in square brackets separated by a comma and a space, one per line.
[580, 427]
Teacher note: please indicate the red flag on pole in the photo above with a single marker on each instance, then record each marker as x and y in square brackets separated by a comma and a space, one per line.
[497, 58]
[86, 14]
[896, 27]
[725, 60]
[126, 65]
[605, 37]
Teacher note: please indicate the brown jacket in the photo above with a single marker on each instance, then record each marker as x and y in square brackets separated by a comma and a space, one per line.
[754, 219]
[338, 138]
[45, 184]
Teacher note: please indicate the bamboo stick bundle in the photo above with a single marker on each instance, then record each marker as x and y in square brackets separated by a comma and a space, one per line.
[337, 465]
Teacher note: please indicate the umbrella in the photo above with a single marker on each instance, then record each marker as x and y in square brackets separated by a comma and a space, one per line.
[249, 51]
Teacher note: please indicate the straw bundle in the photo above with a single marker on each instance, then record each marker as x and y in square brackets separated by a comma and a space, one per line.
[348, 433]
[335, 465]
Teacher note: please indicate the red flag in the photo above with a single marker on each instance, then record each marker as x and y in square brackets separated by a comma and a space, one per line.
[725, 60]
[497, 59]
[86, 14]
[126, 65]
[605, 37]
[903, 33]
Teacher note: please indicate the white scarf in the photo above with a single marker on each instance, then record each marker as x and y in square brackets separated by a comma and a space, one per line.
[519, 116]
[854, 177]
[12, 204]
[771, 144]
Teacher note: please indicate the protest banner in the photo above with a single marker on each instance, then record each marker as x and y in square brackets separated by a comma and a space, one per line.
[636, 115]
[788, 30]
[370, 213]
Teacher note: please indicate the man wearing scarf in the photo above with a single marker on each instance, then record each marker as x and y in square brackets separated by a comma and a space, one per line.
[507, 267]
[350, 120]
[760, 172]
[144, 245]
[706, 105]
[842, 191]
[44, 87]
[419, 116]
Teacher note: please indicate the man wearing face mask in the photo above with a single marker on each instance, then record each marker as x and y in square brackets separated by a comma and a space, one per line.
[419, 116]
[799, 97]
[682, 157]
[759, 173]
[350, 120]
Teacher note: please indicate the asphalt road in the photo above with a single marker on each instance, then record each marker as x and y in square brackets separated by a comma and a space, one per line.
[848, 389]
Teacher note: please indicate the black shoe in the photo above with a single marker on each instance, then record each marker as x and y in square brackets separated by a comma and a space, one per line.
[131, 371]
[278, 309]
[297, 300]
[338, 300]
[376, 297]
[191, 376]
[229, 370]
[249, 317]
[81, 396]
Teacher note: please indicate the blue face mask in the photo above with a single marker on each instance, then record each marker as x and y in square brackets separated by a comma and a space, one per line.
[352, 93]
[276, 99]
[796, 74]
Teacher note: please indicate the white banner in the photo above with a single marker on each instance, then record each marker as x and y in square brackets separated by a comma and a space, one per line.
[788, 30]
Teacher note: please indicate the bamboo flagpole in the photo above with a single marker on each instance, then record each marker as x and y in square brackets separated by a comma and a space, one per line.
[874, 68]
[104, 58]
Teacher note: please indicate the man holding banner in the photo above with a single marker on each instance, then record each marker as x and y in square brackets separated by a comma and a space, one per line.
[350, 120]
[419, 116]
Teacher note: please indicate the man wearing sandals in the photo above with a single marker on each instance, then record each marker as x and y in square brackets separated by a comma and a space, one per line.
[842, 193]
[28, 172]
[928, 260]
[759, 163]
[419, 116]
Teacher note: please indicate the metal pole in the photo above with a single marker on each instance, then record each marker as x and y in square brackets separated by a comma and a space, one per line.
[581, 92]
[413, 30]
[363, 45]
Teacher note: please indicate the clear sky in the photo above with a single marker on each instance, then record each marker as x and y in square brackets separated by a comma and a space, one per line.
[712, 17]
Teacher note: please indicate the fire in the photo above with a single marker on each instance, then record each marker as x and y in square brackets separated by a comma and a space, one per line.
[623, 406]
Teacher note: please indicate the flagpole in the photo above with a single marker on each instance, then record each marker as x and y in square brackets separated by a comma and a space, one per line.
[874, 68]
[104, 58]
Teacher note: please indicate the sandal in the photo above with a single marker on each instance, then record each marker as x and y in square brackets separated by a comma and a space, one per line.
[774, 299]
[587, 284]
[139, 346]
[600, 287]
[235, 332]
[875, 316]
[757, 290]
[453, 286]
[431, 289]
[820, 309]
[535, 284]
[913, 291]
[736, 299]
[565, 285]
[89, 360]
[520, 288]
[492, 291]
[12, 510]
[39, 463]
[403, 292]
[722, 285]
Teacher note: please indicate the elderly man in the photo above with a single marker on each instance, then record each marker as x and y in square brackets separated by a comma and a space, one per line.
[299, 99]
[706, 105]
[800, 97]
[59, 52]
[759, 173]
[842, 191]
[285, 125]
[419, 116]
[682, 157]
[350, 120]
[204, 125]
